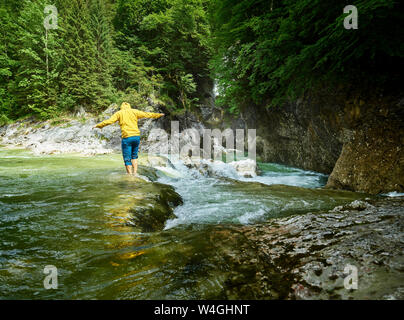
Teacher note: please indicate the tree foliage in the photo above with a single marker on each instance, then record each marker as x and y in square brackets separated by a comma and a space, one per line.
[8, 61]
[172, 37]
[102, 51]
[274, 50]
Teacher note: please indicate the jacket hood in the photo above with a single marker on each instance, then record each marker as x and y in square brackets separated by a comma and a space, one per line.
[125, 106]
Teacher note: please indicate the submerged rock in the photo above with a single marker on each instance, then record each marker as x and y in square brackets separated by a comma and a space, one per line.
[149, 206]
[154, 210]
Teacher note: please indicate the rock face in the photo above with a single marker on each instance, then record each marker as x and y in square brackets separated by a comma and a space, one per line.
[305, 133]
[373, 161]
[360, 135]
[309, 256]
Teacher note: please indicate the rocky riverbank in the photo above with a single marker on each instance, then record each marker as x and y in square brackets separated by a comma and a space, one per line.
[304, 256]
[69, 135]
[76, 135]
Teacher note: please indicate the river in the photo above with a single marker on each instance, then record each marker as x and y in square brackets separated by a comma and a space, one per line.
[60, 210]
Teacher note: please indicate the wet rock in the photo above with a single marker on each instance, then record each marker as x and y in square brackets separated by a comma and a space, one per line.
[306, 256]
[148, 171]
[246, 168]
[372, 161]
[156, 161]
[150, 207]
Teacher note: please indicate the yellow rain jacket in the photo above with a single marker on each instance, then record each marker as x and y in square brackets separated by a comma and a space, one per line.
[127, 118]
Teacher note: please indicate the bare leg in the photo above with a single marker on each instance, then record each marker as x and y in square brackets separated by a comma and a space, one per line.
[129, 169]
[134, 164]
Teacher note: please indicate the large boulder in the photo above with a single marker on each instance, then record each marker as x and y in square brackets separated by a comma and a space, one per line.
[373, 161]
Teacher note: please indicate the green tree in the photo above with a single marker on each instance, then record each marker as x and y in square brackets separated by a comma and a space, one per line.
[85, 79]
[36, 77]
[8, 63]
[186, 86]
[101, 29]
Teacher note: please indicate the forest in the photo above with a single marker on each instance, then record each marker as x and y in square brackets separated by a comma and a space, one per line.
[260, 52]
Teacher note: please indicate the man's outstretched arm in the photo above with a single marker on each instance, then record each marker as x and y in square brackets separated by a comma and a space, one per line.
[142, 114]
[107, 122]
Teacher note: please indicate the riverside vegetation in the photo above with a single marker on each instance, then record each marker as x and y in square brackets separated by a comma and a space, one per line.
[325, 192]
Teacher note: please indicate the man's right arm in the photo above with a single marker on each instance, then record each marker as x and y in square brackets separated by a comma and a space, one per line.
[114, 118]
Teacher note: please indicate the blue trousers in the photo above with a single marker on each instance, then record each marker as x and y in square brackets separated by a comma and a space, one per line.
[130, 148]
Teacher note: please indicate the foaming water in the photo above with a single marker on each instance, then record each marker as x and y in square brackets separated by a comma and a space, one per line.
[225, 197]
[273, 173]
[394, 194]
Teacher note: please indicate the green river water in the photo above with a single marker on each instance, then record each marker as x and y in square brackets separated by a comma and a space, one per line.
[60, 210]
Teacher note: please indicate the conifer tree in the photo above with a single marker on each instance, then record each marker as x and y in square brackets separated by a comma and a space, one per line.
[172, 37]
[36, 79]
[101, 30]
[8, 63]
[81, 84]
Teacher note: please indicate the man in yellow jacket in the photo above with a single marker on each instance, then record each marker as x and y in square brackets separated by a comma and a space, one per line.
[128, 118]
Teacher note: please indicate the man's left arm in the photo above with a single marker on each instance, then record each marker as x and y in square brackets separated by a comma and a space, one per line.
[142, 114]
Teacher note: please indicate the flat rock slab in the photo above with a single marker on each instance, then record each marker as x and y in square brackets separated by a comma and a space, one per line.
[304, 256]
